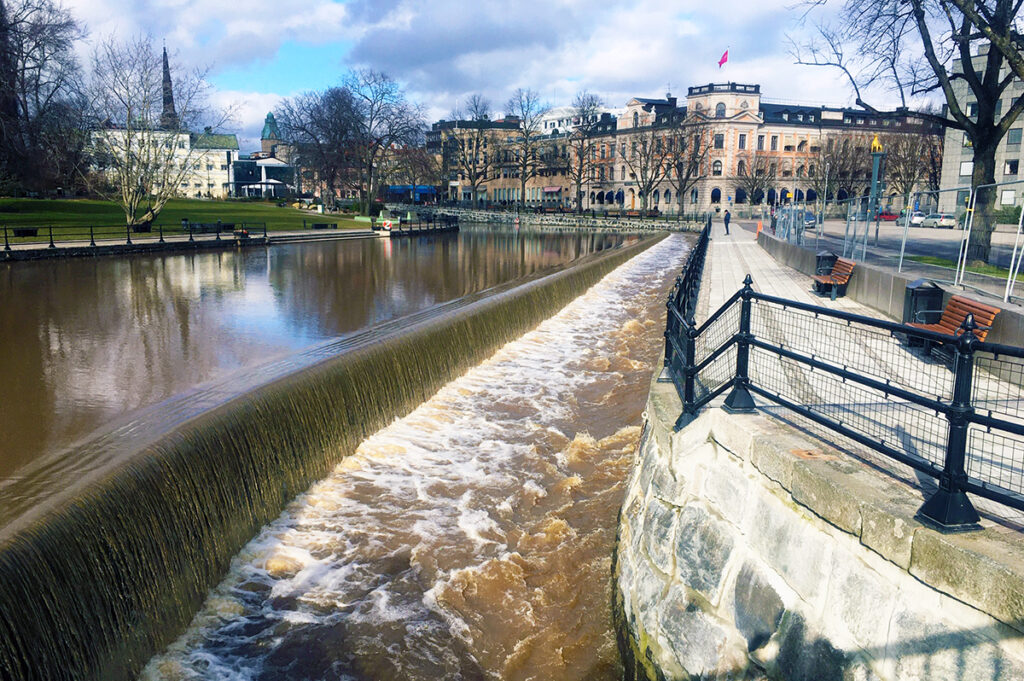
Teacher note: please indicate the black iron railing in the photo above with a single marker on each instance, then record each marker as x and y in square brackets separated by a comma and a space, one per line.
[951, 408]
[94, 236]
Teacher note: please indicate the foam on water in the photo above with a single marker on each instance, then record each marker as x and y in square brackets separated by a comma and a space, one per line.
[469, 540]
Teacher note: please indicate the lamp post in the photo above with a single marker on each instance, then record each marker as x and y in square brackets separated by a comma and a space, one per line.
[877, 185]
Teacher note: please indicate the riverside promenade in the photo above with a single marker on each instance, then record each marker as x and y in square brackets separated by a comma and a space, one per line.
[915, 430]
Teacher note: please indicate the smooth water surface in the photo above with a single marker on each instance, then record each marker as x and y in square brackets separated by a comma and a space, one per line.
[83, 341]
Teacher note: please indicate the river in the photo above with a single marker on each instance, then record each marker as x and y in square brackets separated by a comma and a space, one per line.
[469, 540]
[88, 340]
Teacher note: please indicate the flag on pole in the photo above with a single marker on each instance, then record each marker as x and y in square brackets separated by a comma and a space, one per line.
[725, 58]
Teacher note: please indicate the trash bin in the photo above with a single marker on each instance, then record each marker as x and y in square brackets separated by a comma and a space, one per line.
[824, 261]
[921, 295]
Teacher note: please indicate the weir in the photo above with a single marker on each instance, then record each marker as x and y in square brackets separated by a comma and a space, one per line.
[99, 576]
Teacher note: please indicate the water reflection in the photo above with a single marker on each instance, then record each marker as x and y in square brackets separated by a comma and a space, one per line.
[84, 340]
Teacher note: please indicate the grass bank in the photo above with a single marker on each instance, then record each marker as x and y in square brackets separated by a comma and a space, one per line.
[65, 213]
[990, 270]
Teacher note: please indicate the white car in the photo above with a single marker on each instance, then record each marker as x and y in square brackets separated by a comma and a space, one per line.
[916, 218]
[939, 220]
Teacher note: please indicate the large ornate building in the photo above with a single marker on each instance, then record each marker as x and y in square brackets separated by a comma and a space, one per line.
[740, 150]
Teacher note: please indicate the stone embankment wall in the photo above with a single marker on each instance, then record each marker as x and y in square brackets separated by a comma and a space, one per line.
[583, 221]
[747, 550]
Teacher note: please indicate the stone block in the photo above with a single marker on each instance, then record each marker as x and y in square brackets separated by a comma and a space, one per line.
[983, 569]
[728, 489]
[859, 600]
[665, 485]
[924, 646]
[787, 540]
[757, 606]
[735, 432]
[702, 548]
[828, 489]
[805, 655]
[773, 458]
[701, 643]
[888, 526]
[658, 530]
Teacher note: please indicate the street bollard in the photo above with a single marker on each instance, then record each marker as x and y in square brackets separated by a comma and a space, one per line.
[52, 245]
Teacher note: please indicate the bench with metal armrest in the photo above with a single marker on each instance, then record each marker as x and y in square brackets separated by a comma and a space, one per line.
[950, 319]
[834, 278]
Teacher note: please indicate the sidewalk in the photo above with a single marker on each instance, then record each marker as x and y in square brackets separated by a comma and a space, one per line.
[916, 431]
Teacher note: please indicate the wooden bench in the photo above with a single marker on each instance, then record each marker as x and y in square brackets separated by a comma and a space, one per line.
[954, 314]
[834, 279]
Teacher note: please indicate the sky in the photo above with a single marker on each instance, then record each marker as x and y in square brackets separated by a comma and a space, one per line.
[260, 51]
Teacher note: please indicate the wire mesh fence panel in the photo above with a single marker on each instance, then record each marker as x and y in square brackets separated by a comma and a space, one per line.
[716, 374]
[996, 458]
[717, 333]
[870, 351]
[903, 426]
[998, 388]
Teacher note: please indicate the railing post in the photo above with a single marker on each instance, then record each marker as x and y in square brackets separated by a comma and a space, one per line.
[52, 245]
[739, 400]
[950, 507]
[264, 231]
[128, 234]
[689, 369]
[7, 244]
[218, 229]
[161, 228]
[92, 236]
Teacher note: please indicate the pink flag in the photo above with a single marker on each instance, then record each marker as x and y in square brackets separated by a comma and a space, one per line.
[725, 58]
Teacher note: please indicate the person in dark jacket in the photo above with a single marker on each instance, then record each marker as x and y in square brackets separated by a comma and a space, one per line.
[726, 218]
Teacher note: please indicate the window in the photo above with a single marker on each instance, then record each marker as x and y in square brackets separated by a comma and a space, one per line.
[966, 168]
[636, 119]
[1010, 167]
[716, 168]
[741, 168]
[1013, 136]
[967, 140]
[719, 141]
[760, 142]
[775, 142]
[223, 166]
[1006, 198]
[972, 108]
[742, 141]
[603, 151]
[601, 173]
[611, 150]
[720, 110]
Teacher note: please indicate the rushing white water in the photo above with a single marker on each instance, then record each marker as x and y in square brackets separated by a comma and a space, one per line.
[469, 540]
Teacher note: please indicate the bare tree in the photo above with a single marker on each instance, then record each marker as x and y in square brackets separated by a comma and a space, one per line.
[41, 103]
[419, 168]
[846, 163]
[646, 151]
[689, 144]
[526, 106]
[384, 120]
[141, 147]
[755, 175]
[320, 128]
[908, 159]
[470, 143]
[586, 112]
[921, 46]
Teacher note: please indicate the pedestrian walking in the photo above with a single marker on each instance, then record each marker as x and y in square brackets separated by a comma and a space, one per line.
[726, 219]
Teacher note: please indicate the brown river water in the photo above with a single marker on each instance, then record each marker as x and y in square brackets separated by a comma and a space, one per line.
[87, 340]
[469, 540]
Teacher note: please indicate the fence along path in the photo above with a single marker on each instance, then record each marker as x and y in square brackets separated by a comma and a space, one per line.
[875, 353]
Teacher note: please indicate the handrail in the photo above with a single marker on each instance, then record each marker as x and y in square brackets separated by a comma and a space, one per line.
[948, 507]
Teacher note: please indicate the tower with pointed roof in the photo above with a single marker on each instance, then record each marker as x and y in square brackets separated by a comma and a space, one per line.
[168, 117]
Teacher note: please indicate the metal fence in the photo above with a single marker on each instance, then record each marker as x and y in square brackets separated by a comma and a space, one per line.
[951, 408]
[60, 236]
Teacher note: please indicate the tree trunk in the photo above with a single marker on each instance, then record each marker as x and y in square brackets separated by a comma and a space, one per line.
[984, 222]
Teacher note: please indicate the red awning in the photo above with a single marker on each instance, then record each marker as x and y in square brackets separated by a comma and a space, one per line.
[552, 190]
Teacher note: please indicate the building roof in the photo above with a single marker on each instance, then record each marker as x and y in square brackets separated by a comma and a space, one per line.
[209, 140]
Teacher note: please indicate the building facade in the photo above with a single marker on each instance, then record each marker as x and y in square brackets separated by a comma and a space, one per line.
[750, 152]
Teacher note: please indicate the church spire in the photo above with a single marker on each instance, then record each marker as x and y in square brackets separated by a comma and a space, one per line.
[169, 117]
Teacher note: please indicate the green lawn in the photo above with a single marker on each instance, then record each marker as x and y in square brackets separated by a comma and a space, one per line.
[990, 270]
[66, 213]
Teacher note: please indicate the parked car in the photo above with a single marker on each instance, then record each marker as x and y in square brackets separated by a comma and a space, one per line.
[939, 220]
[916, 218]
[887, 216]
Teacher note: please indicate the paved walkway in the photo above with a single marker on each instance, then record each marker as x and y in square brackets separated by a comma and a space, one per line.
[903, 426]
